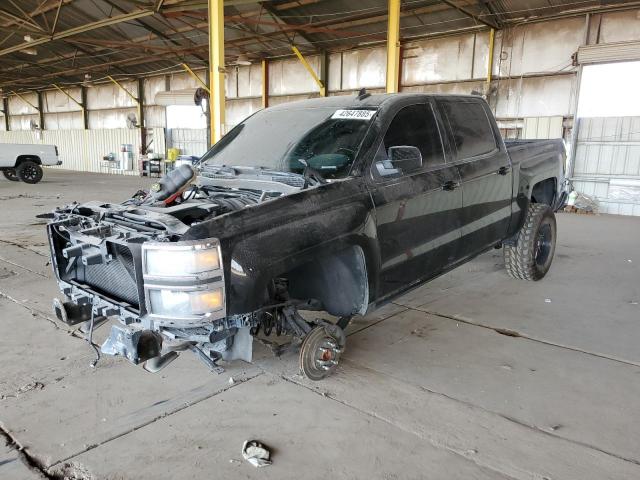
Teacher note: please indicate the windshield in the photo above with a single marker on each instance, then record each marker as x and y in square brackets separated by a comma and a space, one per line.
[325, 139]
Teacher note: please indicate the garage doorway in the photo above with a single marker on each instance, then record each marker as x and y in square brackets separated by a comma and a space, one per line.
[187, 129]
[607, 156]
[610, 90]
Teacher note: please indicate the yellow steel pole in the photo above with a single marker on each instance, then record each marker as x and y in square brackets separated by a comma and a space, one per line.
[314, 75]
[25, 100]
[393, 46]
[216, 68]
[492, 33]
[196, 77]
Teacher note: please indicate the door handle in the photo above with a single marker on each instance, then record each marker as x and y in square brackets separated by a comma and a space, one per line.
[503, 170]
[450, 185]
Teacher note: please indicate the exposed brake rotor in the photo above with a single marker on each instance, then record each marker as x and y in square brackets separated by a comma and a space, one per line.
[320, 351]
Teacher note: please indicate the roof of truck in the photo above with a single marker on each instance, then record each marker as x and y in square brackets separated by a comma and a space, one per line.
[352, 101]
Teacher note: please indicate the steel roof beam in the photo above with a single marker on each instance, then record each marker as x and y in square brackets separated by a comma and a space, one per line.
[470, 14]
[82, 29]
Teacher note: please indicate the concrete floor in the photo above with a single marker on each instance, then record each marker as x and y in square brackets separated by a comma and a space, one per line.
[474, 375]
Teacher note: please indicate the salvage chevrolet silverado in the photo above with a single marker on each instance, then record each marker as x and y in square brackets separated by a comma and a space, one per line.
[335, 205]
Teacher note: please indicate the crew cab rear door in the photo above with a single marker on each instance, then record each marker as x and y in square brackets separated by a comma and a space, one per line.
[417, 212]
[485, 171]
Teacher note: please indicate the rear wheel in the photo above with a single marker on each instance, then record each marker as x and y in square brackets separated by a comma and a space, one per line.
[10, 174]
[529, 257]
[29, 172]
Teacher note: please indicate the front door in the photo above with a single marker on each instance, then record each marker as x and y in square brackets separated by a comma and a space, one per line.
[417, 212]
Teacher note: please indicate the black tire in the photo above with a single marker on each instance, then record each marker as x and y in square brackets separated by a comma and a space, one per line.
[10, 174]
[29, 172]
[529, 257]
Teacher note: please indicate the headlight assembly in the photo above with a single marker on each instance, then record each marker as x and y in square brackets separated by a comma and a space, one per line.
[166, 260]
[168, 302]
[183, 282]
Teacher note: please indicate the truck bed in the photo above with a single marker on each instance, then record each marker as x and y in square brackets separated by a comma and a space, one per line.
[528, 150]
[536, 159]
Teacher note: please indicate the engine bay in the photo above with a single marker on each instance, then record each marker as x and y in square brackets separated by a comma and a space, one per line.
[176, 202]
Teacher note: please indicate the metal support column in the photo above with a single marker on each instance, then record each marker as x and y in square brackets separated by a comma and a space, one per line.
[575, 128]
[141, 120]
[324, 70]
[40, 110]
[265, 83]
[207, 80]
[5, 110]
[393, 46]
[492, 39]
[216, 69]
[83, 104]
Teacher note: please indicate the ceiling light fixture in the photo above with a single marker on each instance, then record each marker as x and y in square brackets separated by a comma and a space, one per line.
[243, 60]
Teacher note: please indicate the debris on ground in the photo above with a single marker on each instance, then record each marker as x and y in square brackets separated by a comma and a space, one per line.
[256, 453]
[30, 386]
[72, 471]
[581, 203]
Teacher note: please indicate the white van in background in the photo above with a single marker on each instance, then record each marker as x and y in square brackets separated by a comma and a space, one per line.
[24, 163]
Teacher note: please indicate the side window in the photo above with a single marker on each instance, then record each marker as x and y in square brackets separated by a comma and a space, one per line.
[470, 128]
[416, 126]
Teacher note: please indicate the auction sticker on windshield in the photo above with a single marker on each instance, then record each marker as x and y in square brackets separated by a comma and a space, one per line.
[354, 114]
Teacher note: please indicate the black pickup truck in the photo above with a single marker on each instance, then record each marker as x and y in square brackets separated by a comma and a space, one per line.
[334, 205]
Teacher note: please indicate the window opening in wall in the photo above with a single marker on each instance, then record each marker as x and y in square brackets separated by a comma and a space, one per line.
[186, 116]
[610, 90]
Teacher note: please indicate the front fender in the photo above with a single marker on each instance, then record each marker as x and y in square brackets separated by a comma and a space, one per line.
[257, 260]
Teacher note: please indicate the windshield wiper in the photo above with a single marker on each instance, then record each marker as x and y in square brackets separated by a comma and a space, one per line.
[220, 170]
[308, 177]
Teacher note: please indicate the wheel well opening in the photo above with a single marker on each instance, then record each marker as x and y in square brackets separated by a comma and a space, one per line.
[338, 280]
[26, 158]
[544, 192]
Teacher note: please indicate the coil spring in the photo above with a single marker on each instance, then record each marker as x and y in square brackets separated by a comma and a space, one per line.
[268, 322]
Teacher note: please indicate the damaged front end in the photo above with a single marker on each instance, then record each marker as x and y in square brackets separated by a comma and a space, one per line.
[130, 261]
[127, 260]
[114, 260]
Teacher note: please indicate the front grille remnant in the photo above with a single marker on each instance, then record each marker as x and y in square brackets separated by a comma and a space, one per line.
[116, 278]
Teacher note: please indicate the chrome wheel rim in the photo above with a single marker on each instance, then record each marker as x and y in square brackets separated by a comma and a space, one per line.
[543, 244]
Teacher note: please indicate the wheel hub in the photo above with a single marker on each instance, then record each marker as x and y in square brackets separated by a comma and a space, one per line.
[321, 350]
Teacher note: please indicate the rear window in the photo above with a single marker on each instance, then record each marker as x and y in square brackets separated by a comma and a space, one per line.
[470, 128]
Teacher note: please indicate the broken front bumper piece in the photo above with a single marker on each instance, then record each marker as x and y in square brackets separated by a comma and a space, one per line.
[157, 350]
[133, 343]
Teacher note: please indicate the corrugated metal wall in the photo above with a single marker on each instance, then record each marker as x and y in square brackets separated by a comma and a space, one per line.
[533, 76]
[542, 127]
[607, 163]
[82, 150]
[190, 141]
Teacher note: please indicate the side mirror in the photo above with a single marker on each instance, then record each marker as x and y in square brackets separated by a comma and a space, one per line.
[405, 158]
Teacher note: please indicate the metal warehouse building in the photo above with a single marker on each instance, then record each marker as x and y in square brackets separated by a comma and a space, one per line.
[311, 239]
[107, 60]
